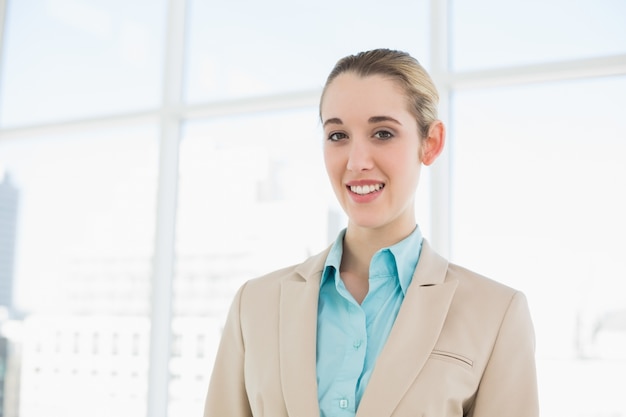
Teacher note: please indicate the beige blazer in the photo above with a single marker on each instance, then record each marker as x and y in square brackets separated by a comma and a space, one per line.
[462, 345]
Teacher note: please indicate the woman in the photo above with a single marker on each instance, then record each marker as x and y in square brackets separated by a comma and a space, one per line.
[378, 324]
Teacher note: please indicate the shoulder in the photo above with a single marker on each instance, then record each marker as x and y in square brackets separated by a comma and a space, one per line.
[477, 299]
[434, 269]
[478, 284]
[484, 299]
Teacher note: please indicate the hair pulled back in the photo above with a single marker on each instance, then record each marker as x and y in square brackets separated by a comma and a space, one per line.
[420, 91]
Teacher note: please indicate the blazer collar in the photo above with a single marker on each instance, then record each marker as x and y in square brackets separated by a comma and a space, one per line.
[311, 269]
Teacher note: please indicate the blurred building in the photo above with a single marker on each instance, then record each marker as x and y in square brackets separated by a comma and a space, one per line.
[10, 370]
[9, 349]
[101, 361]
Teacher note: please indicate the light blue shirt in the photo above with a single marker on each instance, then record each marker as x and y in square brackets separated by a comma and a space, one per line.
[351, 336]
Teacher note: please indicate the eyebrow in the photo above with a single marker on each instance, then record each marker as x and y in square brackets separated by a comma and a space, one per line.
[373, 119]
[378, 119]
[334, 121]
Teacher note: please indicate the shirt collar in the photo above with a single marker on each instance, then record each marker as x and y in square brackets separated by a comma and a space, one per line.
[405, 254]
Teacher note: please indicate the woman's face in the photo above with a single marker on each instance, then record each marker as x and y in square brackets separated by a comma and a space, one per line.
[371, 151]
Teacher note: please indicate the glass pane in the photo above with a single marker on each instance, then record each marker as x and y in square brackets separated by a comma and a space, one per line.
[68, 59]
[496, 33]
[253, 197]
[248, 48]
[539, 180]
[83, 247]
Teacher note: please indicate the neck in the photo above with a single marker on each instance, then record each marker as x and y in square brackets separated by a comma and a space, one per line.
[360, 244]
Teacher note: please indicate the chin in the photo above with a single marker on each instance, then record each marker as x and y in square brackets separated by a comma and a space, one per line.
[366, 222]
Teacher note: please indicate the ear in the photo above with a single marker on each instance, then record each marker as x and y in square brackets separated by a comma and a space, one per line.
[433, 144]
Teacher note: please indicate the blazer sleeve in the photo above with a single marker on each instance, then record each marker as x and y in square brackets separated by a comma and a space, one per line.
[227, 392]
[508, 387]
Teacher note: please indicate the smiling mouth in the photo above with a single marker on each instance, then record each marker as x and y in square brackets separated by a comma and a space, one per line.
[365, 189]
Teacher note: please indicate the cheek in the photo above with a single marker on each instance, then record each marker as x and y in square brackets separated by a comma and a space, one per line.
[407, 168]
[332, 162]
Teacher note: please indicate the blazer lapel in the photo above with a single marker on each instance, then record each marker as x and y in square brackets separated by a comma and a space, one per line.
[412, 337]
[298, 337]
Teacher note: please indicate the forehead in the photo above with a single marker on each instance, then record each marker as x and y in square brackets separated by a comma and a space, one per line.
[372, 95]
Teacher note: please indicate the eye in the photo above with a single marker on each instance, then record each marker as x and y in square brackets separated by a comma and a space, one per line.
[337, 136]
[383, 135]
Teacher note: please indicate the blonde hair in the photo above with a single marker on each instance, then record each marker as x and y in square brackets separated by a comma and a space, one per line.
[420, 91]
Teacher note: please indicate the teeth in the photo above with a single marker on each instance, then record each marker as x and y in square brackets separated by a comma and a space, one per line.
[365, 189]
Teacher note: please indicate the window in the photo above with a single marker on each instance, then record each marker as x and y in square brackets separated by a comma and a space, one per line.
[86, 219]
[534, 177]
[489, 34]
[280, 47]
[537, 170]
[71, 59]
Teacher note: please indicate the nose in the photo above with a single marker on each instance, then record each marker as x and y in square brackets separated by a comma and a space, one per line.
[359, 156]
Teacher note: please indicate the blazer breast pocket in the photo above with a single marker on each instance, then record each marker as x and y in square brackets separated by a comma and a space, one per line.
[451, 357]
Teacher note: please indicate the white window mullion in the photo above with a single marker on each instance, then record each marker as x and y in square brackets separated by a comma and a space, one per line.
[163, 262]
[440, 171]
[593, 67]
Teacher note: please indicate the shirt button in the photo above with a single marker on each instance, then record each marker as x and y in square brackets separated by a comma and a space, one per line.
[356, 344]
[343, 403]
